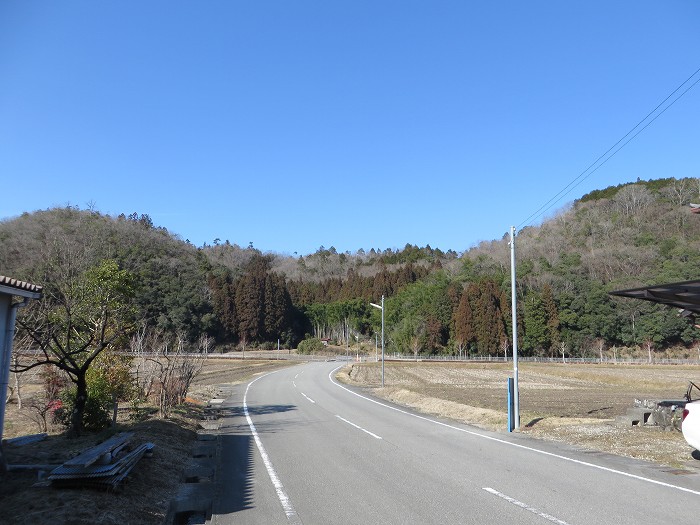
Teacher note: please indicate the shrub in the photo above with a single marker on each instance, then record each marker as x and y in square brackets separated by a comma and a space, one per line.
[309, 346]
[97, 407]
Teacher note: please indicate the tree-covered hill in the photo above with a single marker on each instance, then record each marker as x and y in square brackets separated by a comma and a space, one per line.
[437, 301]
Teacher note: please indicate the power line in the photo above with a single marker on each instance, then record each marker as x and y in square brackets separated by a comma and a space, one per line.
[599, 162]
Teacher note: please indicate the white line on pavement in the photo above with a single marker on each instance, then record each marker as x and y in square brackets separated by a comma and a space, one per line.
[525, 506]
[503, 441]
[375, 436]
[307, 397]
[292, 516]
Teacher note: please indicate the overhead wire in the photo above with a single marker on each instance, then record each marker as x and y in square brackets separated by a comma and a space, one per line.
[598, 163]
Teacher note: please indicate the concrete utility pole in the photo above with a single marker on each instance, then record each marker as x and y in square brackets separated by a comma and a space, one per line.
[516, 397]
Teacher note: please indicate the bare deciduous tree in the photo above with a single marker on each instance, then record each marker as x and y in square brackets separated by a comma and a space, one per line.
[21, 355]
[680, 191]
[163, 369]
[633, 198]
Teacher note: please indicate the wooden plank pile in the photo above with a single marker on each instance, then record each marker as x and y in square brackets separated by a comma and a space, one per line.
[104, 466]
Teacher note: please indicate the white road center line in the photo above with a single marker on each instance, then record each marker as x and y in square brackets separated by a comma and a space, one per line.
[294, 383]
[516, 445]
[307, 397]
[375, 436]
[291, 514]
[525, 506]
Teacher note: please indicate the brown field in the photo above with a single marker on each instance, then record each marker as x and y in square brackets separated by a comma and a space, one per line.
[573, 403]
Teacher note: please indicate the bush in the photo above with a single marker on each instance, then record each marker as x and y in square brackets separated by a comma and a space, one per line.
[97, 406]
[309, 346]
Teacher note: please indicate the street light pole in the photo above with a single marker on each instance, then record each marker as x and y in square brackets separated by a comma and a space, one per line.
[382, 309]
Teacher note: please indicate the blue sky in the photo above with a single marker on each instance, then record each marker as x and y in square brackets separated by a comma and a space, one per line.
[353, 124]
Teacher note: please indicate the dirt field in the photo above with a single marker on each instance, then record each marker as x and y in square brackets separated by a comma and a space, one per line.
[145, 498]
[572, 403]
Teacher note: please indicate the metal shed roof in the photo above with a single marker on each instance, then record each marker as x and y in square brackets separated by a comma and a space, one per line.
[15, 287]
[685, 295]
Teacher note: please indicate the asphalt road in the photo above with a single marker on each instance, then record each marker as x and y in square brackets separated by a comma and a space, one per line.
[300, 448]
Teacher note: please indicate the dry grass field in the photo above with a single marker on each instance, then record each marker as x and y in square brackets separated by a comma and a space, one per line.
[573, 403]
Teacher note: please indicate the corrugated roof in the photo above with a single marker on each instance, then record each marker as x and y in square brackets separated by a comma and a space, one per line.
[19, 285]
[685, 295]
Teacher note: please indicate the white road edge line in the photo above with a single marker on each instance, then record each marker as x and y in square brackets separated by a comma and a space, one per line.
[292, 515]
[375, 436]
[525, 506]
[307, 397]
[503, 441]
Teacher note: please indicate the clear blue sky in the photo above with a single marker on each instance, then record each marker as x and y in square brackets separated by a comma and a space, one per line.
[353, 124]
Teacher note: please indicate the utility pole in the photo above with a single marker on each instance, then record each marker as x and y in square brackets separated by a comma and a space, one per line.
[516, 397]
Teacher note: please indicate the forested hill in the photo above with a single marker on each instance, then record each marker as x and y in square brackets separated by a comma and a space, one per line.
[437, 301]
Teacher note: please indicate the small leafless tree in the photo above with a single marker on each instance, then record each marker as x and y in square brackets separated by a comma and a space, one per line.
[39, 412]
[460, 348]
[21, 354]
[600, 344]
[178, 370]
[649, 345]
[205, 344]
[563, 351]
[243, 342]
[164, 369]
[44, 404]
[144, 344]
[505, 345]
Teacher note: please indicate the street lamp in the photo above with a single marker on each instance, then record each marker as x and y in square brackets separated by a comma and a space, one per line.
[382, 309]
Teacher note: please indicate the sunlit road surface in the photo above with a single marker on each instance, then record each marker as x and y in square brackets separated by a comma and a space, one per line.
[301, 448]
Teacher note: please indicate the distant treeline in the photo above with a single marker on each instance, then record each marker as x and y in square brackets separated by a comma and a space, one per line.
[435, 301]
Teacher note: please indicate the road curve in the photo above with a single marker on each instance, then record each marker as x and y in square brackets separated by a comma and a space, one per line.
[300, 448]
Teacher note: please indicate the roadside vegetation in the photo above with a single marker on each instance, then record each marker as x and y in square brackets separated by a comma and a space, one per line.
[144, 498]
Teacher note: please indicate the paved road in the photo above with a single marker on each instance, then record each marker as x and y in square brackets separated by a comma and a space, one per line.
[299, 448]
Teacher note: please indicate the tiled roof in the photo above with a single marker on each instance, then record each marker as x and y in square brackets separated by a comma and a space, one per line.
[19, 285]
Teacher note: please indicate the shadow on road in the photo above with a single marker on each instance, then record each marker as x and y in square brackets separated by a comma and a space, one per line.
[256, 410]
[234, 418]
[235, 470]
[235, 474]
